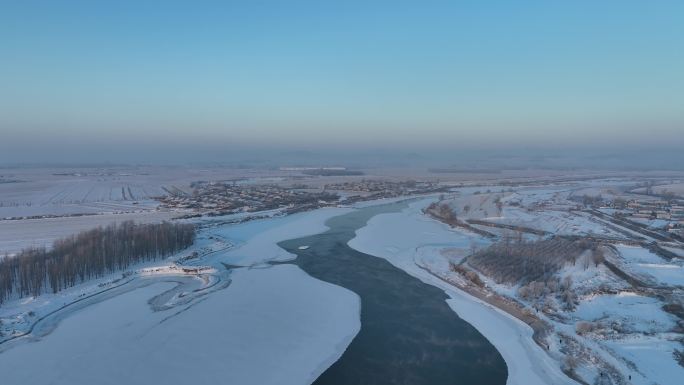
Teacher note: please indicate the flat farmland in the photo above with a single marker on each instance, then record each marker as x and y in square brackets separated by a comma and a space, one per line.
[18, 234]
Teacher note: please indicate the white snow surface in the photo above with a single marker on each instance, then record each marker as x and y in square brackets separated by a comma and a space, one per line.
[644, 263]
[257, 240]
[404, 238]
[635, 312]
[654, 357]
[16, 235]
[272, 325]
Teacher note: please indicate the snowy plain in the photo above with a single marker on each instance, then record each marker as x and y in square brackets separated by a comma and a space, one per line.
[634, 312]
[18, 234]
[645, 264]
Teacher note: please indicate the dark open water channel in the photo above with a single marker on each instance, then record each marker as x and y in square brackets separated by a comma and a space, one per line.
[409, 335]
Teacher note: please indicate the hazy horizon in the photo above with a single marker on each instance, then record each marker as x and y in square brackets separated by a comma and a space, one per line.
[178, 82]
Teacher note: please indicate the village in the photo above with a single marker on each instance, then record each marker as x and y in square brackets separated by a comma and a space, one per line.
[653, 212]
[221, 198]
[235, 196]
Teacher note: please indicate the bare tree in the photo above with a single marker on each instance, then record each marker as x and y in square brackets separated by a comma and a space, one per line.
[584, 327]
[90, 254]
[598, 256]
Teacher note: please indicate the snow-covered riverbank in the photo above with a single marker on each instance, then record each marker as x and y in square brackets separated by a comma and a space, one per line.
[402, 238]
[628, 327]
[271, 325]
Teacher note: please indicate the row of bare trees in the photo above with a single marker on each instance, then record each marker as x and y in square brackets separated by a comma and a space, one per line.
[89, 254]
[519, 261]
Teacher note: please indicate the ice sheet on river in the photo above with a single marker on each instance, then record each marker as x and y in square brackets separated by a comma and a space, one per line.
[272, 325]
[258, 240]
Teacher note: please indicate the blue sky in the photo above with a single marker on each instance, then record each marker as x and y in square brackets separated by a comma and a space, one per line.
[422, 73]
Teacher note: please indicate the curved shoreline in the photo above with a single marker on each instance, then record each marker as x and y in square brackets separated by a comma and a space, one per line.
[456, 300]
[528, 364]
[408, 331]
[275, 325]
[47, 322]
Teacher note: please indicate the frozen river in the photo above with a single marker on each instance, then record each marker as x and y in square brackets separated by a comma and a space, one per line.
[409, 334]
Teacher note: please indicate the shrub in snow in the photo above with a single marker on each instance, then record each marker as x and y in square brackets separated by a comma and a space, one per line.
[583, 327]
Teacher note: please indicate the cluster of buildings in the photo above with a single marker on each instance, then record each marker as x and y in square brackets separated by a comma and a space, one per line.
[670, 213]
[222, 198]
[672, 210]
[385, 188]
[228, 197]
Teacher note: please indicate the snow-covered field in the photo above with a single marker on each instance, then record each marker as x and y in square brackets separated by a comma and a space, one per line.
[521, 207]
[62, 195]
[90, 190]
[635, 313]
[651, 267]
[555, 221]
[18, 234]
[653, 355]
